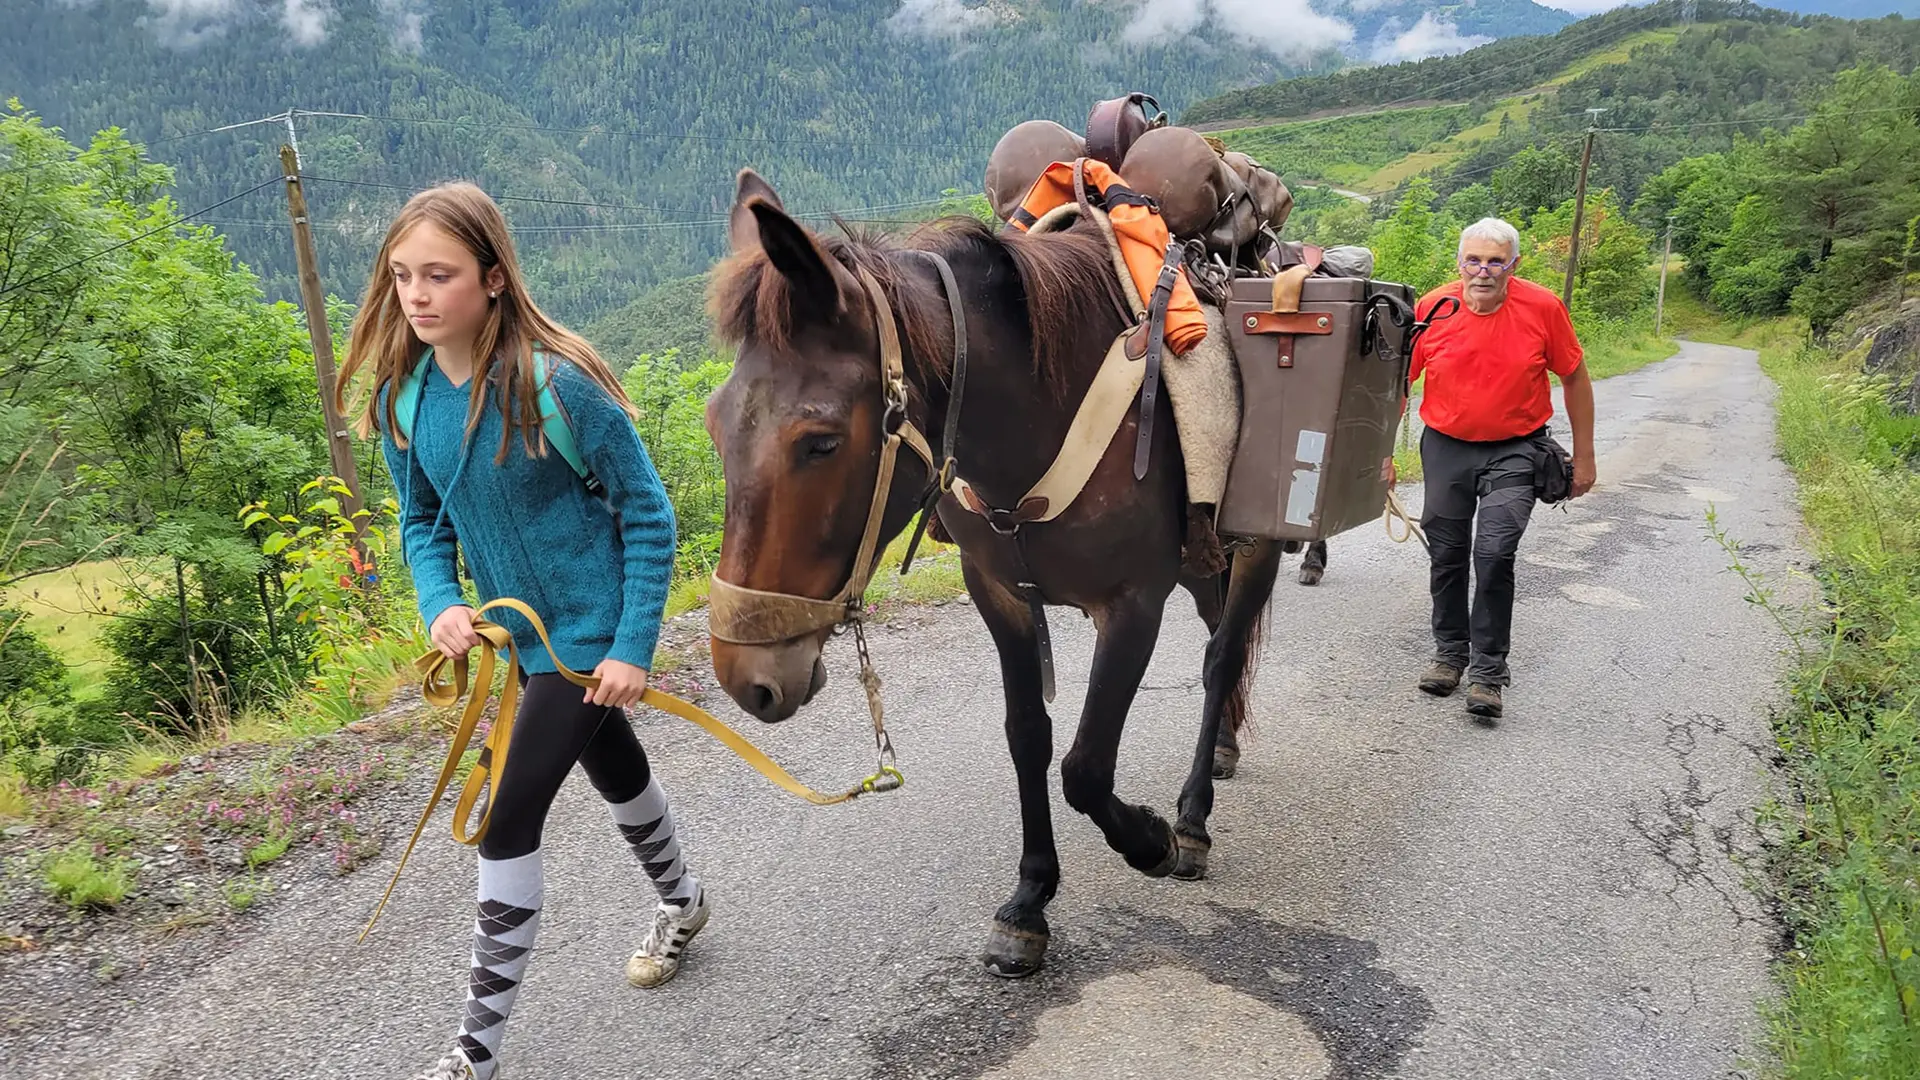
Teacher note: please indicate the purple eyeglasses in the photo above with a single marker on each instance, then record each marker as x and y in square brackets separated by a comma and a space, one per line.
[1475, 267]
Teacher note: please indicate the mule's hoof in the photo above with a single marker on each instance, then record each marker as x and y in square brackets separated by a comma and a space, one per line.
[1013, 953]
[1167, 858]
[1226, 762]
[1193, 850]
[1310, 575]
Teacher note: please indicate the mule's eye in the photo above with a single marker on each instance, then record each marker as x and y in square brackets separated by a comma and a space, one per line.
[816, 447]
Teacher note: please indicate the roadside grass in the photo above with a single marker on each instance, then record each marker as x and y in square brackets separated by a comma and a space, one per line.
[1848, 858]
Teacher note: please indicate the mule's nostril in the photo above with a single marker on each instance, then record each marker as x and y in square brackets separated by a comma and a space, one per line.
[762, 700]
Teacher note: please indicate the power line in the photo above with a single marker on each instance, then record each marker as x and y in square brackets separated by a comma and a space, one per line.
[709, 216]
[182, 219]
[1764, 120]
[412, 189]
[674, 135]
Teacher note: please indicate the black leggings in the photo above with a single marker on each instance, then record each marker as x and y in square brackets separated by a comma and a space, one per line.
[553, 729]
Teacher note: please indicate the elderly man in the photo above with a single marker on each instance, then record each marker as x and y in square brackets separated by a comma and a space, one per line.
[1485, 407]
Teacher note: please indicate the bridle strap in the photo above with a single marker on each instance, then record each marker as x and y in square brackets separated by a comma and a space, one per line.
[741, 616]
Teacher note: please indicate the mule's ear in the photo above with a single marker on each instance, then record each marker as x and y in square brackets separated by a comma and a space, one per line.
[748, 187]
[792, 251]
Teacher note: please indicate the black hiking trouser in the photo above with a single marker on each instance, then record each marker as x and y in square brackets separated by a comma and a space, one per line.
[1479, 498]
[553, 731]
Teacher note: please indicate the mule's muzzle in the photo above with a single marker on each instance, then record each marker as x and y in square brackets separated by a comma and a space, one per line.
[771, 682]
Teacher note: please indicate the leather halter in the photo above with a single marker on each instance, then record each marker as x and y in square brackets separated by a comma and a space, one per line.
[741, 616]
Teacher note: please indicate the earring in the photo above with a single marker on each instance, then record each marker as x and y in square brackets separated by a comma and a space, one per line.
[493, 293]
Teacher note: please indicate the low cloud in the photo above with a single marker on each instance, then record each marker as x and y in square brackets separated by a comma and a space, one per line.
[305, 21]
[1431, 36]
[1591, 7]
[1289, 29]
[405, 24]
[185, 23]
[939, 18]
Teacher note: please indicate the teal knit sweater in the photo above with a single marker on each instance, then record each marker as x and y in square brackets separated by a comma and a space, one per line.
[596, 570]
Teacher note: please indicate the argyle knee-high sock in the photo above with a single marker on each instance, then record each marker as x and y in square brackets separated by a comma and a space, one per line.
[509, 917]
[647, 825]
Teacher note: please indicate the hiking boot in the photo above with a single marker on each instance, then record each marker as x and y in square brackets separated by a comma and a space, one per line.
[1441, 679]
[1483, 700]
[658, 958]
[453, 1066]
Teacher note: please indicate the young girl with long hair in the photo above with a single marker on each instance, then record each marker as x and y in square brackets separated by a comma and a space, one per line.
[448, 330]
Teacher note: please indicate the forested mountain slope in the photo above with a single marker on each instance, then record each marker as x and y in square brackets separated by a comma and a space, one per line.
[646, 109]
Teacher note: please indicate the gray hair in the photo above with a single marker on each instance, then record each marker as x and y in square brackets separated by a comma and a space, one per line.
[1489, 228]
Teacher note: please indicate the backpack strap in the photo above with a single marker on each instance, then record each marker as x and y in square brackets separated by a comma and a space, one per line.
[553, 423]
[406, 400]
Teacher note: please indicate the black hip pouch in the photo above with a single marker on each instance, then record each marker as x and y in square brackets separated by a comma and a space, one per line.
[1552, 470]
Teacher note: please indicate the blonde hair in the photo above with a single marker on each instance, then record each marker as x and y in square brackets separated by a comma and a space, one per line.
[383, 341]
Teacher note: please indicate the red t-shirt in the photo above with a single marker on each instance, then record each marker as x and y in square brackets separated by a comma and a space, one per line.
[1487, 374]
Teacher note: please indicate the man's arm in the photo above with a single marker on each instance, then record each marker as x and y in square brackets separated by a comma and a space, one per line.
[1578, 389]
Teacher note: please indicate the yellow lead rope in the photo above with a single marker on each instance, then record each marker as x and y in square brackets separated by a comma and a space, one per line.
[438, 690]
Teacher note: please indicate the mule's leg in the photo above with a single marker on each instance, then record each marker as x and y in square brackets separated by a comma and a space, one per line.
[1229, 652]
[1127, 630]
[1314, 566]
[1210, 599]
[1017, 942]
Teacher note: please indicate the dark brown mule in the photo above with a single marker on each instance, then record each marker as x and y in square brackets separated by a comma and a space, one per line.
[798, 427]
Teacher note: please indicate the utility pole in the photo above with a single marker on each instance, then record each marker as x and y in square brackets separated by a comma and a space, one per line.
[1660, 302]
[314, 301]
[1579, 207]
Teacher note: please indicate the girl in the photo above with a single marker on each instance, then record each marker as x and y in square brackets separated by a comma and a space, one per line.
[593, 559]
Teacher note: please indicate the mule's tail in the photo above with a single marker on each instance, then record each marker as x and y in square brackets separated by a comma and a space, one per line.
[1234, 712]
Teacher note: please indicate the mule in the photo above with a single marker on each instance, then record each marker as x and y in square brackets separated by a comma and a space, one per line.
[799, 426]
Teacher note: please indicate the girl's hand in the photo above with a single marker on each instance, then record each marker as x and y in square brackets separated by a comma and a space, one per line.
[452, 633]
[620, 685]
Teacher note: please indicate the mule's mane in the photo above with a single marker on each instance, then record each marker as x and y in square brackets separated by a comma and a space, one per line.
[1072, 299]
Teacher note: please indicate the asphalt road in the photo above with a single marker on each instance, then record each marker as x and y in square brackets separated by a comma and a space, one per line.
[1395, 891]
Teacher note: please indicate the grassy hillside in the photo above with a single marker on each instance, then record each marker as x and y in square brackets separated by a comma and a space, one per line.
[1668, 90]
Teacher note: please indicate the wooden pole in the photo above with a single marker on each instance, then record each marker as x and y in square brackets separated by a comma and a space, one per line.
[1660, 303]
[1579, 214]
[314, 301]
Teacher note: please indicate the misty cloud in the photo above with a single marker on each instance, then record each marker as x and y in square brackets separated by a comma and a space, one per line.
[939, 18]
[1158, 22]
[1431, 36]
[305, 20]
[1289, 29]
[404, 24]
[185, 23]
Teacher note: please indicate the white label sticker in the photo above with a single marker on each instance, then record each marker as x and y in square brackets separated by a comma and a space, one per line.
[1313, 448]
[1302, 496]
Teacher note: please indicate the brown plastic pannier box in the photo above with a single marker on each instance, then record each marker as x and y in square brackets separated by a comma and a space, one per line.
[1318, 411]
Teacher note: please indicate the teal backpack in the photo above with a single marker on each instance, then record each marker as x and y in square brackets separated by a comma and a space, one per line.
[554, 425]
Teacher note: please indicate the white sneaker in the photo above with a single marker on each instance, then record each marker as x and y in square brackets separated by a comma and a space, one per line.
[454, 1066]
[658, 958]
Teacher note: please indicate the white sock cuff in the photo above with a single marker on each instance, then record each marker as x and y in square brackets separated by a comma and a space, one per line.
[513, 881]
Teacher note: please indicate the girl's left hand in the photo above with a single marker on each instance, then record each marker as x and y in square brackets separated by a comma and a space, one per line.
[620, 685]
